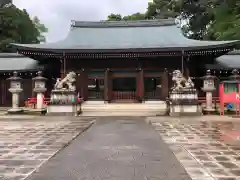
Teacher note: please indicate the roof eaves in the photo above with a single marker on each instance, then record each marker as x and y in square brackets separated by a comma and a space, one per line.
[234, 52]
[135, 50]
[10, 55]
[23, 70]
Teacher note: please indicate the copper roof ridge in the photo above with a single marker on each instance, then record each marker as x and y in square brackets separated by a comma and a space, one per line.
[139, 23]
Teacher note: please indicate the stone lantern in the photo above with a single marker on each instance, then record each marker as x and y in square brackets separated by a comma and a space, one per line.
[15, 89]
[209, 88]
[40, 89]
[235, 76]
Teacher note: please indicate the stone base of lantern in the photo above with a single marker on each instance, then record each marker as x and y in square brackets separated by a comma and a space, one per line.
[15, 111]
[62, 110]
[184, 103]
[62, 103]
[42, 111]
[185, 110]
[209, 111]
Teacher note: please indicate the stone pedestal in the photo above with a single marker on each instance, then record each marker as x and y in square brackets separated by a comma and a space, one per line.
[63, 102]
[15, 89]
[209, 88]
[63, 99]
[15, 102]
[209, 105]
[40, 89]
[184, 103]
[40, 101]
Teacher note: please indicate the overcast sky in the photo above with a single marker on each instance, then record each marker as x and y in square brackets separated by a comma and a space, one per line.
[57, 14]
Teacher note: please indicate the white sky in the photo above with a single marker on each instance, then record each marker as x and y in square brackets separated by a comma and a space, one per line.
[57, 14]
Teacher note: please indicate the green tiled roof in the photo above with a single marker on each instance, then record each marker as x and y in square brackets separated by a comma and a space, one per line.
[16, 62]
[127, 36]
[234, 52]
[229, 61]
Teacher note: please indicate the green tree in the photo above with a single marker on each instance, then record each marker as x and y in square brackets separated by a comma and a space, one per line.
[134, 17]
[16, 26]
[197, 13]
[211, 20]
[203, 19]
[226, 23]
[119, 17]
[160, 9]
[114, 17]
[41, 29]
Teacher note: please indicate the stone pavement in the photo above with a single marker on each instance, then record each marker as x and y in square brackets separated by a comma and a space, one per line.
[114, 149]
[25, 144]
[208, 147]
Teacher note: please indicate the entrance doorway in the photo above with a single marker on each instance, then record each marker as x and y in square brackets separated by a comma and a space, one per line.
[96, 89]
[124, 88]
[151, 87]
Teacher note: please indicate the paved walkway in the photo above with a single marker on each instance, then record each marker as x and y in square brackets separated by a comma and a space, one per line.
[25, 144]
[114, 150]
[208, 146]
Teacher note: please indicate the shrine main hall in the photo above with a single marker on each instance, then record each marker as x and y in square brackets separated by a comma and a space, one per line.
[118, 61]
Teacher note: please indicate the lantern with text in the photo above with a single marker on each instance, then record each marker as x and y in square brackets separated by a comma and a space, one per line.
[209, 88]
[40, 89]
[229, 93]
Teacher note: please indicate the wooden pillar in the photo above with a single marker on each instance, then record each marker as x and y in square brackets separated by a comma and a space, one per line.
[84, 84]
[27, 85]
[187, 73]
[140, 85]
[217, 85]
[61, 70]
[182, 62]
[186, 67]
[3, 94]
[165, 86]
[106, 84]
[79, 83]
[63, 66]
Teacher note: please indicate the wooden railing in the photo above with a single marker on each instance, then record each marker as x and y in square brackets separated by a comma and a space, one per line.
[32, 102]
[118, 95]
[98, 95]
[151, 95]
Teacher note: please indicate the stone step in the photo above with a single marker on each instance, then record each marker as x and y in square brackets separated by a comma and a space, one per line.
[124, 106]
[4, 108]
[152, 108]
[123, 109]
[126, 113]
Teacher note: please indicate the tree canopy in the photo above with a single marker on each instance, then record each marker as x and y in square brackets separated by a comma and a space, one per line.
[119, 17]
[16, 26]
[41, 29]
[212, 19]
[226, 22]
[203, 19]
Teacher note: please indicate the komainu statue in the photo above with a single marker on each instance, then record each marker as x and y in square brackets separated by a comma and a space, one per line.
[180, 82]
[66, 83]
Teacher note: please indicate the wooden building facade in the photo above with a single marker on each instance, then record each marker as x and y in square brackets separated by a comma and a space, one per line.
[124, 61]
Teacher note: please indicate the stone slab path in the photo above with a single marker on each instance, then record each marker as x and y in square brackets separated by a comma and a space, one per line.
[114, 149]
[26, 144]
[208, 147]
